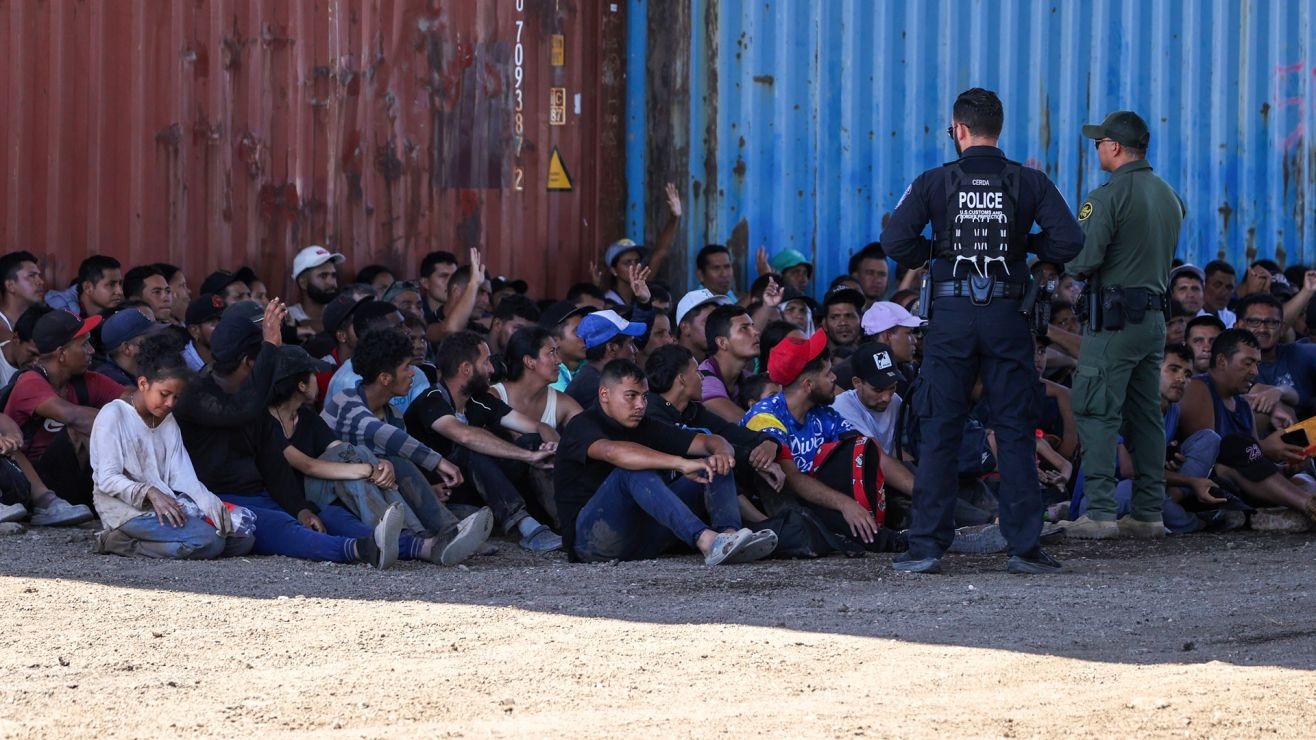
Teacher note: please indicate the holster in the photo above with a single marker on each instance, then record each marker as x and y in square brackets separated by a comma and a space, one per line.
[1113, 315]
[925, 295]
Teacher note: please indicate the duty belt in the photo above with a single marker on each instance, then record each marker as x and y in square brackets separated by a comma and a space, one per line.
[1133, 296]
[960, 289]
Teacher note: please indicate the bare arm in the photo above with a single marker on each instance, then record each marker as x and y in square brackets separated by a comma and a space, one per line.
[814, 491]
[80, 418]
[460, 315]
[630, 456]
[1067, 341]
[483, 441]
[567, 408]
[664, 243]
[324, 469]
[522, 424]
[726, 409]
[1069, 439]
[1196, 412]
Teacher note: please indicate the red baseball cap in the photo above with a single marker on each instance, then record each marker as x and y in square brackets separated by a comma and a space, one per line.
[789, 357]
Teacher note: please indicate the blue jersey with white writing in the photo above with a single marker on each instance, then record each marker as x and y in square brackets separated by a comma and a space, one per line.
[822, 424]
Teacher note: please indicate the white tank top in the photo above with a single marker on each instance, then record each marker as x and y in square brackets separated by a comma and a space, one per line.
[549, 416]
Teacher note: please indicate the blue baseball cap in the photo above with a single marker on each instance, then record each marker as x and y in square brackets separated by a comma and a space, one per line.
[126, 326]
[598, 328]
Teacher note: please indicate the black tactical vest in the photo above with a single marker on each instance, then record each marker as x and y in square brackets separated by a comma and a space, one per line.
[980, 233]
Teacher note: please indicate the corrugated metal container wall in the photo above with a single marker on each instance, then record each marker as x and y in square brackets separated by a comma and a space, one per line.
[807, 120]
[238, 131]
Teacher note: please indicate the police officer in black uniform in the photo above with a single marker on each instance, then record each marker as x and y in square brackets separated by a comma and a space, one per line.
[982, 208]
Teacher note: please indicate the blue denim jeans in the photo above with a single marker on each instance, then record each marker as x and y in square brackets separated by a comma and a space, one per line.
[361, 497]
[195, 540]
[421, 499]
[279, 533]
[636, 516]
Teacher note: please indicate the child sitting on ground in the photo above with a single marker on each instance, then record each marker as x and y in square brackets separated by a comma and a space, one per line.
[146, 491]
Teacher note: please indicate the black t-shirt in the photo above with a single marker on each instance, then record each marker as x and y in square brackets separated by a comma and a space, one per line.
[584, 387]
[577, 477]
[698, 418]
[486, 412]
[312, 435]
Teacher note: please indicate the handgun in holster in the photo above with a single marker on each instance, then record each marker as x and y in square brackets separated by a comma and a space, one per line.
[1036, 305]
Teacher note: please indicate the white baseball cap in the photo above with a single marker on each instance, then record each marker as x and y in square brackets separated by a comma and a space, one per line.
[314, 256]
[696, 298]
[885, 315]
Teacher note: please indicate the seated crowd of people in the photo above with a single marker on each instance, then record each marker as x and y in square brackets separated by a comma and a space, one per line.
[413, 416]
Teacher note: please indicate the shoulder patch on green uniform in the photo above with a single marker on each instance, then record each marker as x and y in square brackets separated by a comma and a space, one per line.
[1084, 211]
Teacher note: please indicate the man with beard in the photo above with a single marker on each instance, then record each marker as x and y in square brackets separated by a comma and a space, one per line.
[734, 343]
[830, 467]
[457, 417]
[841, 310]
[1216, 401]
[1186, 288]
[316, 271]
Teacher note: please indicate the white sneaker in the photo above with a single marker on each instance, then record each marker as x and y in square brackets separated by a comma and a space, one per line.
[61, 513]
[12, 512]
[471, 534]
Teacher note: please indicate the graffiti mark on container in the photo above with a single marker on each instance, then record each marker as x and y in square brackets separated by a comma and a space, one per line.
[1290, 78]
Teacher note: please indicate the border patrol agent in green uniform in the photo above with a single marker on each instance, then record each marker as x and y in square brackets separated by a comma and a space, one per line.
[1130, 230]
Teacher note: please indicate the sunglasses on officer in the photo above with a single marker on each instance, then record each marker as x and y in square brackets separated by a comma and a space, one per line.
[1097, 144]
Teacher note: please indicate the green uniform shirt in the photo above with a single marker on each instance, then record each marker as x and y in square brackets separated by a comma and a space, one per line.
[1130, 230]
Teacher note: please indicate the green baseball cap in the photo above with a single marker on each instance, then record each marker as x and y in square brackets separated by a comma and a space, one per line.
[1122, 126]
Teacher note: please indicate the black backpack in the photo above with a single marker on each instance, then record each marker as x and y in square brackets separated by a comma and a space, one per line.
[33, 423]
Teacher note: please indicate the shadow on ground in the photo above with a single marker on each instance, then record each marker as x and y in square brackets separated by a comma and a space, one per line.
[1243, 598]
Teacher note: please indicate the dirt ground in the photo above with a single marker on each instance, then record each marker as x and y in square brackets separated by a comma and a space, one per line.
[1211, 635]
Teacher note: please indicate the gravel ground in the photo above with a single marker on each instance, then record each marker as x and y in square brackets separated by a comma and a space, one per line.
[1210, 635]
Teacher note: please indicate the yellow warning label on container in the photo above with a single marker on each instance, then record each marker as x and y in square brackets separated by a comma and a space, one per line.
[559, 53]
[558, 178]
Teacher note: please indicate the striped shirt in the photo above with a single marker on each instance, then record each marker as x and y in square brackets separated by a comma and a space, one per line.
[353, 422]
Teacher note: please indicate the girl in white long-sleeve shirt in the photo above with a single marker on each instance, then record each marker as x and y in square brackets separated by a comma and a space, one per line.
[146, 491]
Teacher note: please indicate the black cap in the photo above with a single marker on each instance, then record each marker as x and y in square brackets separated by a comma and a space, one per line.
[58, 328]
[203, 308]
[339, 309]
[238, 329]
[791, 294]
[1123, 126]
[217, 281]
[27, 323]
[874, 364]
[846, 295]
[561, 311]
[293, 361]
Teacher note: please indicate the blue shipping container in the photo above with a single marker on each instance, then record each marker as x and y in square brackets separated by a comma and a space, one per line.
[808, 119]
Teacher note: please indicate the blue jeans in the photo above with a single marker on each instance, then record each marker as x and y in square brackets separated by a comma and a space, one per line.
[636, 516]
[361, 497]
[279, 533]
[195, 540]
[422, 500]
